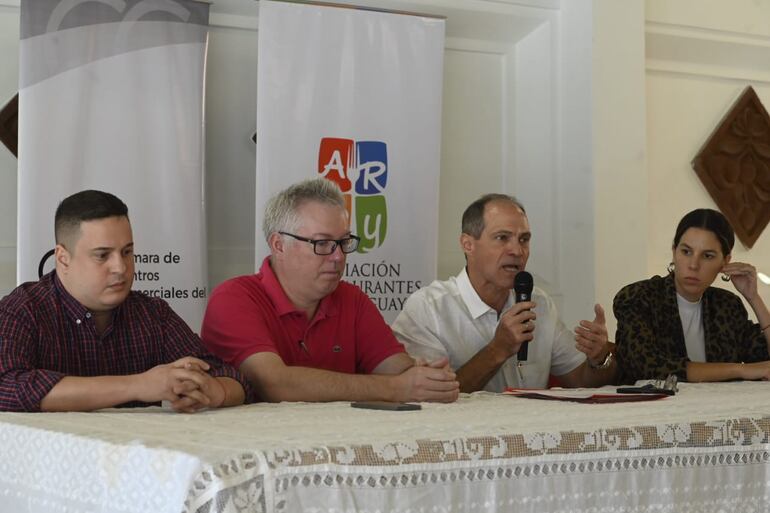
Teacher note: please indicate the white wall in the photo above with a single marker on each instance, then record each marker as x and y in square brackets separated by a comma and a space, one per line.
[621, 190]
[700, 56]
[231, 102]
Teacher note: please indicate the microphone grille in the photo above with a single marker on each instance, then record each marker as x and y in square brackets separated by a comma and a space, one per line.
[523, 283]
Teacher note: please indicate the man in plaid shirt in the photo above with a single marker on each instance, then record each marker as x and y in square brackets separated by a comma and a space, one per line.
[79, 339]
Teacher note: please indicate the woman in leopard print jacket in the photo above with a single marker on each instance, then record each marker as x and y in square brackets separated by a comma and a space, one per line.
[681, 325]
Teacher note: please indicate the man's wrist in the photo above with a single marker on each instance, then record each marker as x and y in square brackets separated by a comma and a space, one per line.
[499, 352]
[392, 389]
[134, 384]
[224, 393]
[604, 363]
[496, 354]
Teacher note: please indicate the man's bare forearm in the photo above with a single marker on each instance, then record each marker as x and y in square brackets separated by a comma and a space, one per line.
[308, 384]
[74, 393]
[477, 371]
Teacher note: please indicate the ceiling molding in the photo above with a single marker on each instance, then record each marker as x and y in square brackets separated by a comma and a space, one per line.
[705, 33]
[475, 45]
[233, 21]
[711, 72]
[495, 24]
[706, 52]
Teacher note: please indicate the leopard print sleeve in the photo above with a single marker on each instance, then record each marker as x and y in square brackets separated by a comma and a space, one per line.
[741, 331]
[730, 335]
[648, 344]
[755, 349]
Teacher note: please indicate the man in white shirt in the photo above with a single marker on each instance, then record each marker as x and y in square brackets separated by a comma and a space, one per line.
[473, 319]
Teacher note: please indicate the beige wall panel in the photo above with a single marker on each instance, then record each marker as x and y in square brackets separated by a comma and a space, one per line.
[470, 145]
[619, 148]
[231, 106]
[682, 112]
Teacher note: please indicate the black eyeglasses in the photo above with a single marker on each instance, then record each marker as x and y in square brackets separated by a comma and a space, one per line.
[327, 246]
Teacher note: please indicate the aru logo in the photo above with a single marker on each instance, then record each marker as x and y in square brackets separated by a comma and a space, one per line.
[360, 169]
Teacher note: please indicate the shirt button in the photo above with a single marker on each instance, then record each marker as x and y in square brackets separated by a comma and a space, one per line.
[88, 315]
[78, 321]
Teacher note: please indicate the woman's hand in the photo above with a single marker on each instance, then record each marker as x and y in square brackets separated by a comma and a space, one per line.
[744, 277]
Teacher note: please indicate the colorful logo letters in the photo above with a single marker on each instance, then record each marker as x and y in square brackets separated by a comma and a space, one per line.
[360, 169]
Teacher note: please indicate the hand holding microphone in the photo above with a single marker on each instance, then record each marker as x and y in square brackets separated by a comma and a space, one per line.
[522, 288]
[516, 326]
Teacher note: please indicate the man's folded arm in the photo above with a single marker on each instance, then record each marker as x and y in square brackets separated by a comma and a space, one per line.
[512, 330]
[276, 381]
[411, 329]
[22, 385]
[23, 389]
[394, 364]
[184, 382]
[73, 393]
[33, 390]
[482, 367]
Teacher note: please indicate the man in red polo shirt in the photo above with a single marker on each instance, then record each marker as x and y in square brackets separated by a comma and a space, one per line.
[298, 332]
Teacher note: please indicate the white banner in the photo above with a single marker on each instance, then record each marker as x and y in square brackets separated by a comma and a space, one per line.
[355, 96]
[111, 98]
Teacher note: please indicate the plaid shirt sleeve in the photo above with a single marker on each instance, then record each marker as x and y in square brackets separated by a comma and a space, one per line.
[180, 341]
[22, 385]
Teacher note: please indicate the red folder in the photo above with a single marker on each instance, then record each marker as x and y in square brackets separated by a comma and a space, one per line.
[581, 395]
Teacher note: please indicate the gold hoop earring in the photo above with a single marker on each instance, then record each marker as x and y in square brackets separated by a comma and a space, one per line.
[670, 268]
[725, 277]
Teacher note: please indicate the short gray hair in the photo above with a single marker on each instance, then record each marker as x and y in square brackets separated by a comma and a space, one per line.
[281, 211]
[473, 217]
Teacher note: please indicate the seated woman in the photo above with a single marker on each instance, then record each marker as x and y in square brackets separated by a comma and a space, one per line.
[681, 325]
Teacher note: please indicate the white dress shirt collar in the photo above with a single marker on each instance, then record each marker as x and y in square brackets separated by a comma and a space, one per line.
[476, 306]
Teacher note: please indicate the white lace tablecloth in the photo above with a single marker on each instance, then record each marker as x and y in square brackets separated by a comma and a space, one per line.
[707, 449]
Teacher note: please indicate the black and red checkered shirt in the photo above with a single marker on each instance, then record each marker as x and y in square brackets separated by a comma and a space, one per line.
[45, 335]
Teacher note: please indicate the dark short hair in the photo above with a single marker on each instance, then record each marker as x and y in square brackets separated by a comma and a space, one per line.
[85, 206]
[711, 220]
[473, 217]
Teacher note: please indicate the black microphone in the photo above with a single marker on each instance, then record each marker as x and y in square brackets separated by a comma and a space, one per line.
[522, 287]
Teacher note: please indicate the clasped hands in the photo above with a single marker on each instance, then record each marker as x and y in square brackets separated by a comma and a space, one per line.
[185, 383]
[428, 381]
